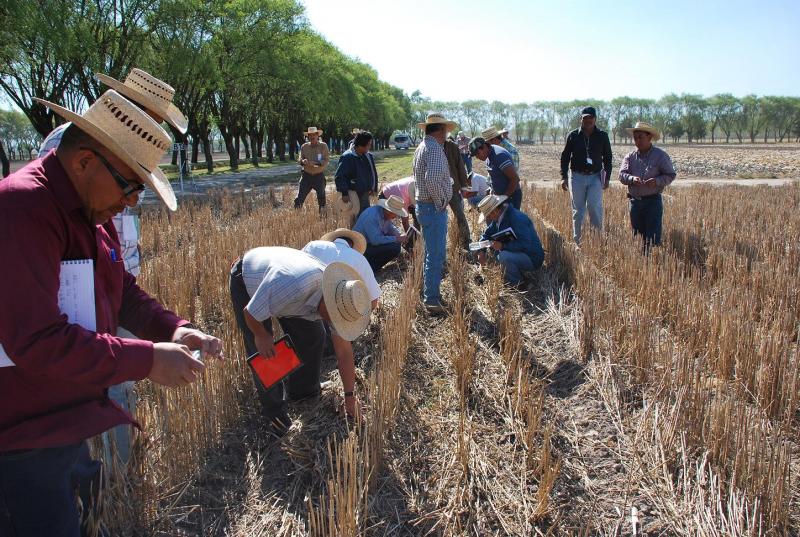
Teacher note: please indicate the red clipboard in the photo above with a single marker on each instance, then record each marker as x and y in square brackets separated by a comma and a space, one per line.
[271, 371]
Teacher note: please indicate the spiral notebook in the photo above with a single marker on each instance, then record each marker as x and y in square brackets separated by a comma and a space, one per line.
[75, 298]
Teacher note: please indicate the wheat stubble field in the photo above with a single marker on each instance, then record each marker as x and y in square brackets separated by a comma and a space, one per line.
[617, 395]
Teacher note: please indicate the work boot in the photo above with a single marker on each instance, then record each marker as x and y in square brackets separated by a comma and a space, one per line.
[435, 308]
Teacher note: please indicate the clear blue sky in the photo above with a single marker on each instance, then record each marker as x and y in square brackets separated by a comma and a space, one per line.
[522, 51]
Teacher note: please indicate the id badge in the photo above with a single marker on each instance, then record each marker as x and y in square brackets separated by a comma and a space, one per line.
[589, 161]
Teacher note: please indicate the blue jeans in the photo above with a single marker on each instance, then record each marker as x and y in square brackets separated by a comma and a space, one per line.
[514, 264]
[37, 491]
[434, 230]
[467, 162]
[587, 191]
[379, 254]
[646, 215]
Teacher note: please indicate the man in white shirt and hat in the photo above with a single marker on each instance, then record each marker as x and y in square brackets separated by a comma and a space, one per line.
[384, 240]
[301, 293]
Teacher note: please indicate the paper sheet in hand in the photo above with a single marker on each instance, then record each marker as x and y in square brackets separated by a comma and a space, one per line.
[75, 298]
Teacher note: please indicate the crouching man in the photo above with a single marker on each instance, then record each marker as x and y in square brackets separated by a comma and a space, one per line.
[514, 241]
[301, 293]
[383, 237]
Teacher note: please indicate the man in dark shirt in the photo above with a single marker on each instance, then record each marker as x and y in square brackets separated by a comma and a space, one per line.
[356, 171]
[588, 154]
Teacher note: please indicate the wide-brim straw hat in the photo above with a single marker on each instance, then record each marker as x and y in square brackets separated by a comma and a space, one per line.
[149, 92]
[350, 208]
[313, 130]
[489, 204]
[130, 134]
[645, 127]
[491, 132]
[346, 299]
[394, 204]
[436, 119]
[358, 240]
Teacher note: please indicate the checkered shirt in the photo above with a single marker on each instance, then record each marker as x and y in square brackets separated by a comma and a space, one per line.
[432, 173]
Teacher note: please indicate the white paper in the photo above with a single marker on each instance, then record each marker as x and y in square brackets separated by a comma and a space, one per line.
[75, 298]
[129, 231]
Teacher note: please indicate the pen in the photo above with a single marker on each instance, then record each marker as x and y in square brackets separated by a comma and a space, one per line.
[113, 255]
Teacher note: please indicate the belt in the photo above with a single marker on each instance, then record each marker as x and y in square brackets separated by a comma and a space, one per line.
[585, 171]
[640, 198]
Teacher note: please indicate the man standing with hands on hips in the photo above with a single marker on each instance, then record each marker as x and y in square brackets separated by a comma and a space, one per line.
[588, 154]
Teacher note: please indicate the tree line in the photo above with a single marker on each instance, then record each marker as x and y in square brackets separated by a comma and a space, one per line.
[253, 71]
[685, 117]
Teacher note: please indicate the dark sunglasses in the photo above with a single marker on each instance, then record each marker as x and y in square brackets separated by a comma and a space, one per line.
[127, 187]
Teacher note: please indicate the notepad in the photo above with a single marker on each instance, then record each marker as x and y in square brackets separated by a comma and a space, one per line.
[75, 298]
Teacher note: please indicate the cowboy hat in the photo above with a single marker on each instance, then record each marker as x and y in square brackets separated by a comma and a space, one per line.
[436, 119]
[503, 131]
[149, 92]
[356, 131]
[358, 240]
[346, 299]
[131, 135]
[349, 208]
[645, 127]
[489, 204]
[313, 130]
[394, 204]
[490, 133]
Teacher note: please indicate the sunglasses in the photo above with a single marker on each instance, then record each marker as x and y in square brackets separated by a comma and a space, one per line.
[128, 188]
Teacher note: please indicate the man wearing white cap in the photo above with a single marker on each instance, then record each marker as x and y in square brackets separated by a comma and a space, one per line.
[646, 172]
[515, 242]
[57, 365]
[301, 292]
[314, 157]
[383, 238]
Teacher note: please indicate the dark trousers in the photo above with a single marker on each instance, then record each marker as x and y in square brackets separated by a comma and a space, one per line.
[38, 491]
[516, 199]
[646, 215]
[363, 202]
[308, 182]
[380, 254]
[308, 338]
[457, 206]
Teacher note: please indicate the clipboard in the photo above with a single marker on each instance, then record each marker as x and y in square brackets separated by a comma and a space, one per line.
[270, 371]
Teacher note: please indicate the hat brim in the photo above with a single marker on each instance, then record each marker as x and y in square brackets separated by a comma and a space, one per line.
[171, 114]
[359, 242]
[450, 124]
[402, 213]
[334, 273]
[154, 179]
[654, 133]
[315, 132]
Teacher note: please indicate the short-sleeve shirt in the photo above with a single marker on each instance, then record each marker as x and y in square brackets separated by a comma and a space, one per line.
[282, 282]
[479, 184]
[498, 160]
[339, 250]
[400, 188]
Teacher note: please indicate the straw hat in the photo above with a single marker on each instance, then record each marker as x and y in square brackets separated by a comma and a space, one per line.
[503, 131]
[645, 127]
[350, 208]
[436, 119]
[355, 131]
[395, 205]
[358, 240]
[346, 299]
[489, 204]
[134, 137]
[313, 130]
[149, 92]
[490, 133]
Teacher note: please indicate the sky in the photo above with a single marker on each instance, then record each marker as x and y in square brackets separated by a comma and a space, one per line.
[524, 51]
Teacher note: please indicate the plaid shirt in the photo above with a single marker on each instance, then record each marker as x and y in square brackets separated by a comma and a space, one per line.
[508, 146]
[432, 173]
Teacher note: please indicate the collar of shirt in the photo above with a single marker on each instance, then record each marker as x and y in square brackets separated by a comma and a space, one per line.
[60, 183]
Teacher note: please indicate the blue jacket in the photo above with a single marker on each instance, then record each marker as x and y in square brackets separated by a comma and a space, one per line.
[375, 228]
[356, 172]
[527, 240]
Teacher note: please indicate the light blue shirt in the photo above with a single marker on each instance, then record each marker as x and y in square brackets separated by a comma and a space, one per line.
[282, 282]
[375, 227]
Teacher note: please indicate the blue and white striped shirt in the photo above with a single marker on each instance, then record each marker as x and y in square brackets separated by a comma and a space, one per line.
[282, 282]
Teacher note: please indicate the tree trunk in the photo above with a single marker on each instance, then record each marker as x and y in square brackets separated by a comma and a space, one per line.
[195, 147]
[270, 153]
[246, 145]
[4, 161]
[230, 146]
[255, 150]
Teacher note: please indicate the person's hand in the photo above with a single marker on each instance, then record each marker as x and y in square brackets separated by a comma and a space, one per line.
[564, 185]
[482, 257]
[650, 182]
[636, 180]
[497, 246]
[198, 341]
[352, 407]
[173, 365]
[402, 239]
[345, 198]
[265, 346]
[605, 184]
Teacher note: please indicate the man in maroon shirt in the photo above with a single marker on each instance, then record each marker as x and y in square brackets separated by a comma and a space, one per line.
[54, 374]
